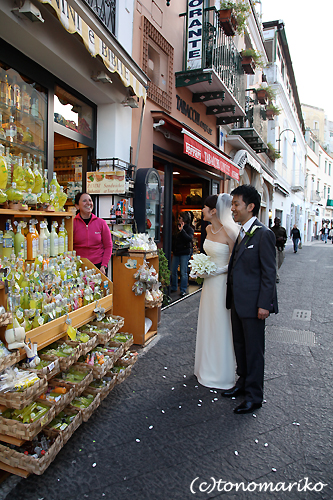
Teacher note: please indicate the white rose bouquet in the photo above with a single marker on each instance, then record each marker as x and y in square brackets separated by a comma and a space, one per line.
[201, 266]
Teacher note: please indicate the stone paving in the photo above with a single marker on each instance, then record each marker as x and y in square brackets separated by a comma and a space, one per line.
[160, 430]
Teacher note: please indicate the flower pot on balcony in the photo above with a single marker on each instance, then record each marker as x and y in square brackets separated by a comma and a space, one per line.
[228, 21]
[262, 96]
[248, 64]
[270, 114]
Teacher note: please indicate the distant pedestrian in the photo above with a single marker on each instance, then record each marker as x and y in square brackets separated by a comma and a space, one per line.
[325, 233]
[330, 234]
[296, 236]
[280, 241]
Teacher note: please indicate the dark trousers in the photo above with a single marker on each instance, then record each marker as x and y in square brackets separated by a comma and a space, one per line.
[249, 345]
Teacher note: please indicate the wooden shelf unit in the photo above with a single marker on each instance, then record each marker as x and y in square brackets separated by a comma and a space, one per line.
[40, 216]
[126, 303]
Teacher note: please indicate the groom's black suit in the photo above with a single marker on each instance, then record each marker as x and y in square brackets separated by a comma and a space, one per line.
[251, 285]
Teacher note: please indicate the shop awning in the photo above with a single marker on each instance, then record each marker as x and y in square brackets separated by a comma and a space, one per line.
[96, 46]
[202, 151]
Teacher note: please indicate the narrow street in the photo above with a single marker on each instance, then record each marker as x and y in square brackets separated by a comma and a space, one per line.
[160, 430]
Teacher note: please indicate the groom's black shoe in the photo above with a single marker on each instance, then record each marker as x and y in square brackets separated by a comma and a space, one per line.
[233, 392]
[247, 407]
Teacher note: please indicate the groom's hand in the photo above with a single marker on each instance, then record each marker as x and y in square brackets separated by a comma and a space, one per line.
[262, 313]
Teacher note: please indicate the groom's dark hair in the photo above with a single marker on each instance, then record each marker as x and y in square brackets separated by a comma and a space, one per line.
[249, 195]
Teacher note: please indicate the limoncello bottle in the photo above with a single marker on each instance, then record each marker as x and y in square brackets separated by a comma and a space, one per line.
[54, 240]
[18, 174]
[14, 193]
[3, 168]
[66, 234]
[20, 243]
[38, 180]
[62, 198]
[55, 183]
[28, 173]
[8, 241]
[61, 240]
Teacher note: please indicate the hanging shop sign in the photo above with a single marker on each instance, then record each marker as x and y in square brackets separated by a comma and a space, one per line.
[204, 153]
[106, 182]
[194, 34]
[192, 114]
[73, 23]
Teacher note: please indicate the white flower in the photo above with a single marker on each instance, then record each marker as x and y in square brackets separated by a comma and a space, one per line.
[202, 264]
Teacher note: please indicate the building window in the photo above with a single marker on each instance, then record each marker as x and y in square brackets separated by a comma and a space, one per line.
[318, 186]
[324, 192]
[313, 145]
[325, 166]
[158, 64]
[329, 168]
[315, 125]
[328, 192]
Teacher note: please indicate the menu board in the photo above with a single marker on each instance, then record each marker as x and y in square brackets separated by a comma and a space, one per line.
[108, 182]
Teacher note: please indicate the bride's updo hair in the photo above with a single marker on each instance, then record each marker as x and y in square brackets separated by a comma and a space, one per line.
[211, 201]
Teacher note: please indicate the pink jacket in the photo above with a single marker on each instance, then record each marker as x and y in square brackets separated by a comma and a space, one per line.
[92, 242]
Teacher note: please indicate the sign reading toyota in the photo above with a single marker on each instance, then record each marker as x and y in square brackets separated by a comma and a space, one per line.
[194, 34]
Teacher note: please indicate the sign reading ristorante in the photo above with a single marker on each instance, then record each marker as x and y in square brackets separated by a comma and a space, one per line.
[192, 114]
[194, 34]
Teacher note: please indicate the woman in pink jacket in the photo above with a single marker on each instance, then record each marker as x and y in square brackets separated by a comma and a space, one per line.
[91, 235]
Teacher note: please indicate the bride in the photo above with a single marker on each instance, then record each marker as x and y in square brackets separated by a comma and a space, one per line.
[214, 355]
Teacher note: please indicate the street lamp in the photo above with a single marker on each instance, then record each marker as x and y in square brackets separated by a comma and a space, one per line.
[279, 140]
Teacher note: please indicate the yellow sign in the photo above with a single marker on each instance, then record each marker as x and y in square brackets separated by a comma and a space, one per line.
[73, 23]
[112, 182]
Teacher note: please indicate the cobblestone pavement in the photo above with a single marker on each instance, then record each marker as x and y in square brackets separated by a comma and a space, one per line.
[160, 430]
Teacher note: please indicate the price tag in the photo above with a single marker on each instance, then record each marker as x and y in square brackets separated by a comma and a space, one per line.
[51, 366]
[45, 419]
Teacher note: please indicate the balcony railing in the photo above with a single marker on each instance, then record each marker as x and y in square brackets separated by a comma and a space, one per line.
[105, 10]
[220, 54]
[315, 196]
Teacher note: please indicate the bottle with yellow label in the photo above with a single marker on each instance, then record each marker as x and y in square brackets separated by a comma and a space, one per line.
[3, 168]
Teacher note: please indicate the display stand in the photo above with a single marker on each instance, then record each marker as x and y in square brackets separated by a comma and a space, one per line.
[126, 303]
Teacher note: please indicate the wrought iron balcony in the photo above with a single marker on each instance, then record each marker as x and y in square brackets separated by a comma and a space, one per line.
[315, 196]
[216, 78]
[105, 10]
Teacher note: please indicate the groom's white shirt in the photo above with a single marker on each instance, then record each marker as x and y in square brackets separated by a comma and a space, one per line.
[247, 225]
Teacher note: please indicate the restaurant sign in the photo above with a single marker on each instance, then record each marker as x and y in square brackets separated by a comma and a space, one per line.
[207, 155]
[112, 182]
[194, 34]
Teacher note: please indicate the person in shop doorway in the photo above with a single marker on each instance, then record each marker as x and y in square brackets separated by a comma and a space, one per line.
[280, 242]
[181, 247]
[91, 235]
[251, 296]
[296, 237]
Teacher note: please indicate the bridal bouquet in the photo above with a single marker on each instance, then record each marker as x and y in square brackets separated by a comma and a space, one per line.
[201, 264]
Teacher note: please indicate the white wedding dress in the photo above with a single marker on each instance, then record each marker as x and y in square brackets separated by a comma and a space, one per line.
[214, 354]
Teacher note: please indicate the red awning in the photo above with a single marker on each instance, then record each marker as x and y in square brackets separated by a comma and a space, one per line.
[203, 152]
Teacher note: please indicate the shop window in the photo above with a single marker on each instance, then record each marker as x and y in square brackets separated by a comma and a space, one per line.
[72, 113]
[158, 64]
[23, 117]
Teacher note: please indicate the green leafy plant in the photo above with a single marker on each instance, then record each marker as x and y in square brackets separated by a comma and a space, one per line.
[164, 274]
[256, 56]
[240, 10]
[272, 152]
[274, 109]
[270, 92]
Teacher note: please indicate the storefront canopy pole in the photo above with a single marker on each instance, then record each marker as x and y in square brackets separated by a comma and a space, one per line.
[139, 138]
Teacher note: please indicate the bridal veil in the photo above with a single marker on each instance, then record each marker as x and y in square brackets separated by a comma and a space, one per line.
[223, 208]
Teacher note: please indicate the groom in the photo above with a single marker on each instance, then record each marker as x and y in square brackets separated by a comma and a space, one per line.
[251, 296]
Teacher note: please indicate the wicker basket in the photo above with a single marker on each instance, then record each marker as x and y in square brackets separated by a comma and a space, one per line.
[27, 462]
[64, 362]
[100, 370]
[104, 391]
[121, 376]
[113, 327]
[150, 304]
[9, 360]
[80, 386]
[87, 412]
[65, 399]
[19, 400]
[48, 371]
[84, 347]
[69, 431]
[125, 345]
[116, 354]
[102, 338]
[5, 318]
[126, 362]
[26, 431]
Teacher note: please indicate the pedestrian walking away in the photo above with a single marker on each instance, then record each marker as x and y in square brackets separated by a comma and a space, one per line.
[280, 242]
[251, 296]
[296, 237]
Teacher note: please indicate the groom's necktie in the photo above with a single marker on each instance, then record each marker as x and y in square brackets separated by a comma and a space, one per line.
[241, 235]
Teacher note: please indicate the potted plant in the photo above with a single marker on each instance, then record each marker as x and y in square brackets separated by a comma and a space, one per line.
[250, 60]
[265, 94]
[272, 111]
[233, 17]
[164, 274]
[272, 153]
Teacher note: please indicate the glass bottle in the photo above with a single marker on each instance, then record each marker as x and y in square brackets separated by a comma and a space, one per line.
[3, 168]
[11, 131]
